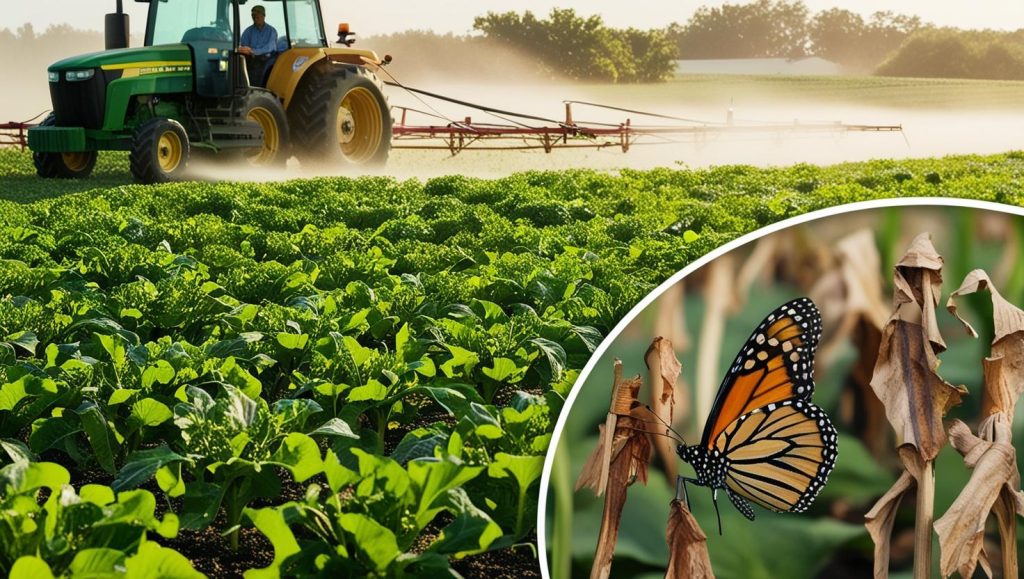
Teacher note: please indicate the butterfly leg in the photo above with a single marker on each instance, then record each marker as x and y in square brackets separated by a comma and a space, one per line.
[741, 504]
[714, 499]
[681, 489]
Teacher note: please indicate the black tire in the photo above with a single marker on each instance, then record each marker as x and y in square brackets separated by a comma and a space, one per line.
[340, 116]
[160, 151]
[75, 165]
[264, 108]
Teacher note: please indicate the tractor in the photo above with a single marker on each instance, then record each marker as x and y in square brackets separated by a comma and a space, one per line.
[193, 91]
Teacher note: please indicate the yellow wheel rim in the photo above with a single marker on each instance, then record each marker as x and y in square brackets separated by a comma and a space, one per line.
[360, 125]
[76, 162]
[169, 151]
[271, 136]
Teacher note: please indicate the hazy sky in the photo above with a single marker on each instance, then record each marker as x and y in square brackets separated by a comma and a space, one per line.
[383, 16]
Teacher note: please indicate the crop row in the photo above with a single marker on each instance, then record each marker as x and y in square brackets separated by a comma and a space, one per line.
[389, 355]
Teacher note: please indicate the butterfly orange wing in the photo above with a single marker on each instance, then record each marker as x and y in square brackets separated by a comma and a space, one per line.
[774, 365]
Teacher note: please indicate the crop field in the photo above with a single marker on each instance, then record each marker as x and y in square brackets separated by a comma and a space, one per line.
[345, 376]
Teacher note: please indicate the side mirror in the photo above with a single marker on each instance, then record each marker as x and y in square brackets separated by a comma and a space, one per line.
[115, 30]
[344, 34]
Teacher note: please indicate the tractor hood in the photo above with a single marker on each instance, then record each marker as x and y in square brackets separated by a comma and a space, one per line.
[168, 55]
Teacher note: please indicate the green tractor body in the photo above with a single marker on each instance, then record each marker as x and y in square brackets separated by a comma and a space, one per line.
[189, 90]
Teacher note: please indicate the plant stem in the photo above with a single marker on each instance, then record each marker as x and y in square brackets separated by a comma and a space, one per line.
[923, 524]
[1006, 516]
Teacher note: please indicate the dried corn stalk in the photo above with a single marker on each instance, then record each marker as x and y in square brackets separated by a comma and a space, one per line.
[994, 486]
[906, 381]
[618, 461]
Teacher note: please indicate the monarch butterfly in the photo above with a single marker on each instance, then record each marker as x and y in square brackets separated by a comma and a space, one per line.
[765, 441]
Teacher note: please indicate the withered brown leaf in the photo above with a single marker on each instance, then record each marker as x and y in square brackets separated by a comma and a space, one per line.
[687, 546]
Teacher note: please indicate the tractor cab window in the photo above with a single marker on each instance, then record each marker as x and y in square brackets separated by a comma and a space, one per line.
[304, 27]
[174, 21]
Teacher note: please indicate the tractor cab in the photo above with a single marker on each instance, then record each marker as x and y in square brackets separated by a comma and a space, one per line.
[214, 31]
[209, 79]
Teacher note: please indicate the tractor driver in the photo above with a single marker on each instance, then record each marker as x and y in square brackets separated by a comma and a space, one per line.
[259, 45]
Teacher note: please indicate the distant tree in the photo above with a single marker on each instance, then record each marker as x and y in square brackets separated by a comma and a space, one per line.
[838, 35]
[764, 28]
[582, 48]
[953, 53]
[845, 37]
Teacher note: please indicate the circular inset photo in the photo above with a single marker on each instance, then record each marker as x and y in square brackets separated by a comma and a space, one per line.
[833, 396]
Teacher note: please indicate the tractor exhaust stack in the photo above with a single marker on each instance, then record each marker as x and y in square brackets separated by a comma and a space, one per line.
[116, 28]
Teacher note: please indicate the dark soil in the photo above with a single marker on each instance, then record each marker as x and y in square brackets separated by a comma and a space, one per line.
[515, 562]
[211, 553]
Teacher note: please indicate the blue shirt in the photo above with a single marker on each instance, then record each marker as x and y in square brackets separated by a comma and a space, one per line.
[261, 41]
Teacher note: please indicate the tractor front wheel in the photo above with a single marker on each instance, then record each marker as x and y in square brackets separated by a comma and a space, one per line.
[160, 151]
[264, 109]
[77, 165]
[340, 116]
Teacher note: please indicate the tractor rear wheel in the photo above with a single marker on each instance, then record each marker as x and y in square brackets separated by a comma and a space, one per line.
[340, 116]
[264, 109]
[160, 151]
[76, 165]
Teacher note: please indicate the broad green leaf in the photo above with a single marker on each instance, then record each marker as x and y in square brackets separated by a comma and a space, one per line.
[52, 433]
[159, 373]
[419, 443]
[292, 413]
[11, 394]
[168, 478]
[271, 523]
[292, 341]
[335, 427]
[402, 342]
[132, 507]
[28, 476]
[504, 370]
[120, 396]
[16, 450]
[371, 391]
[376, 542]
[337, 475]
[555, 355]
[155, 562]
[525, 469]
[99, 495]
[25, 340]
[241, 378]
[461, 358]
[241, 408]
[471, 532]
[142, 465]
[202, 502]
[169, 526]
[300, 454]
[100, 434]
[432, 479]
[149, 412]
[95, 562]
[31, 567]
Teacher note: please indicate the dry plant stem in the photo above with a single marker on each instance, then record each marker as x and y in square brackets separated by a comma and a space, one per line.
[923, 522]
[718, 298]
[620, 459]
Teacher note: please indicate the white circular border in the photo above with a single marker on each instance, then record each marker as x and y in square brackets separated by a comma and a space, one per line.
[545, 479]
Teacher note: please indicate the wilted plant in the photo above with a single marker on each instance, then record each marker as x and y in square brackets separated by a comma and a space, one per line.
[915, 398]
[994, 486]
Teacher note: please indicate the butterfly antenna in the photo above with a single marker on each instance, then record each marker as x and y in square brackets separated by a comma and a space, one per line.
[667, 425]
